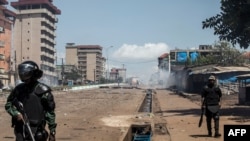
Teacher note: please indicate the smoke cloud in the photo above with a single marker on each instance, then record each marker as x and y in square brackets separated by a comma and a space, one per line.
[142, 61]
[146, 52]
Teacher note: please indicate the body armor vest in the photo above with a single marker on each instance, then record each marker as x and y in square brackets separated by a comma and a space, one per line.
[32, 104]
[212, 96]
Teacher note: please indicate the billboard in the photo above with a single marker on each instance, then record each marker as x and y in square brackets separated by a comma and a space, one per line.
[181, 56]
[193, 56]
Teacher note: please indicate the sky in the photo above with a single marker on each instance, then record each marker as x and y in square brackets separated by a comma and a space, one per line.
[134, 33]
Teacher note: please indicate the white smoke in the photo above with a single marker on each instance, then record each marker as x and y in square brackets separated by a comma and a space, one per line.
[146, 52]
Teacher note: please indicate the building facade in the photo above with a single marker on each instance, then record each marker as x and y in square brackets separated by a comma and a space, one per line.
[182, 57]
[163, 62]
[118, 74]
[191, 77]
[88, 59]
[63, 72]
[34, 35]
[6, 23]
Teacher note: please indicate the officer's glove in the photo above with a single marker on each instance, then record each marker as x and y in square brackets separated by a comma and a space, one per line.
[220, 105]
[52, 136]
[19, 117]
[203, 106]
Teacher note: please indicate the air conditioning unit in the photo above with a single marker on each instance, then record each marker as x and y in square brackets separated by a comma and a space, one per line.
[2, 43]
[2, 71]
[2, 57]
[1, 29]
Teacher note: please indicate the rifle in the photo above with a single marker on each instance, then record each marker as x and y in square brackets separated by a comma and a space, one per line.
[202, 113]
[25, 120]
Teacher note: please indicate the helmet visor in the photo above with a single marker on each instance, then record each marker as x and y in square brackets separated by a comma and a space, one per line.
[25, 71]
[25, 75]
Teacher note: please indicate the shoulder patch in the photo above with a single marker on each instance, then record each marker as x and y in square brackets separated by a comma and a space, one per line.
[42, 88]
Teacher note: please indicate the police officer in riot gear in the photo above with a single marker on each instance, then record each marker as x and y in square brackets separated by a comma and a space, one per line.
[38, 104]
[211, 98]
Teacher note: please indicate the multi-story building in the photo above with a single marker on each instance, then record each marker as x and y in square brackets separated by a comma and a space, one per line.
[191, 77]
[118, 73]
[64, 70]
[6, 23]
[34, 35]
[163, 61]
[88, 59]
[179, 57]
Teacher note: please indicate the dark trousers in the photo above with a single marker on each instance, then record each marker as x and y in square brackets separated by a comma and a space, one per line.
[18, 130]
[215, 116]
[41, 135]
[21, 135]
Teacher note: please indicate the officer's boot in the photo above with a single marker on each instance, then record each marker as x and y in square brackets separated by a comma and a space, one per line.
[216, 124]
[209, 127]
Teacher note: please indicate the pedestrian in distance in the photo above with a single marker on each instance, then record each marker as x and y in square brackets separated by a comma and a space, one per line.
[31, 105]
[211, 101]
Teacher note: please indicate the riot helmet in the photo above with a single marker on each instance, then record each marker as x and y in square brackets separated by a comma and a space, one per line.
[28, 70]
[211, 81]
[211, 78]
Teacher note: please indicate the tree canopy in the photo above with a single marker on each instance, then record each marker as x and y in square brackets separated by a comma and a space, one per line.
[233, 23]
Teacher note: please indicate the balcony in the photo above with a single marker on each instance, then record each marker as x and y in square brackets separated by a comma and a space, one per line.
[56, 20]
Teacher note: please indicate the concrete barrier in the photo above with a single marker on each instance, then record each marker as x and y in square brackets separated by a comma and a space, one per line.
[92, 86]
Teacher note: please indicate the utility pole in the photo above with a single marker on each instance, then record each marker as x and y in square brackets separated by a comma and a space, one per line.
[123, 68]
[94, 75]
[15, 74]
[117, 76]
[108, 77]
[62, 73]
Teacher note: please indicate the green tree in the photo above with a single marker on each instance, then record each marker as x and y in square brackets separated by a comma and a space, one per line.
[103, 80]
[229, 55]
[73, 75]
[189, 61]
[201, 60]
[233, 23]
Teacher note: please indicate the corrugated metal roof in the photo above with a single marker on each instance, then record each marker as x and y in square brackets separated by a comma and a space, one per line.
[232, 68]
[245, 76]
[219, 69]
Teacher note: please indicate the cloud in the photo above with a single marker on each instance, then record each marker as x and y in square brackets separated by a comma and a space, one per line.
[145, 52]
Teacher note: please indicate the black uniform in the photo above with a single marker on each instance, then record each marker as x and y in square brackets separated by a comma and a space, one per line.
[212, 95]
[31, 105]
[39, 105]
